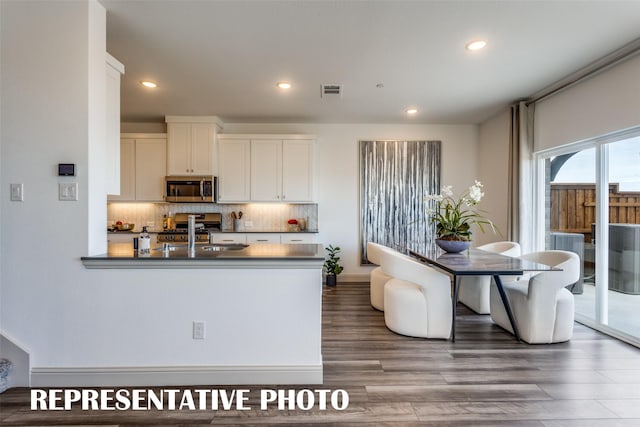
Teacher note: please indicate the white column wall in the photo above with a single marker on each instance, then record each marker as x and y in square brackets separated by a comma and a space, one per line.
[44, 121]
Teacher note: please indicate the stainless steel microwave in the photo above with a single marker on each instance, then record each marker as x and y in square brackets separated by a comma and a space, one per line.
[190, 189]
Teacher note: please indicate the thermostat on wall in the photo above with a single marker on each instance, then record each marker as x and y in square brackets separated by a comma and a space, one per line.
[66, 169]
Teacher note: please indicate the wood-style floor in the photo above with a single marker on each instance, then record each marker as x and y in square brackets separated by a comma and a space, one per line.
[484, 378]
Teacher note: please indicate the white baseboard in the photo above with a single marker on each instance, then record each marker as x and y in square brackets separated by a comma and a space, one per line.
[175, 376]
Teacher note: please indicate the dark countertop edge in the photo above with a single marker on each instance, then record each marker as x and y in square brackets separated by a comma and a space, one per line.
[204, 263]
[228, 231]
[266, 232]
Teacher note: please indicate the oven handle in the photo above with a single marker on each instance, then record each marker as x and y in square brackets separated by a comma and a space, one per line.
[202, 188]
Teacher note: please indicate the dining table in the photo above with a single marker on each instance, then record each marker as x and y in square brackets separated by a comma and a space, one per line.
[476, 262]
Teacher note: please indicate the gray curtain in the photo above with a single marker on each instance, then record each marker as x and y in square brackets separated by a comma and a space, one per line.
[520, 223]
[394, 178]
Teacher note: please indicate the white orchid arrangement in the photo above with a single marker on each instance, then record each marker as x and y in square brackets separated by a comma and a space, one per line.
[455, 216]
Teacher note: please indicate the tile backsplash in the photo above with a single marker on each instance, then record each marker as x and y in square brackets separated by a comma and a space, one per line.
[256, 216]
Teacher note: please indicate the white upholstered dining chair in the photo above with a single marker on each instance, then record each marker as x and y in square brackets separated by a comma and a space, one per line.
[378, 278]
[473, 291]
[417, 300]
[543, 309]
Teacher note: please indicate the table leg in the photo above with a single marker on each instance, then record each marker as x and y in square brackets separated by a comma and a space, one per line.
[507, 306]
[454, 303]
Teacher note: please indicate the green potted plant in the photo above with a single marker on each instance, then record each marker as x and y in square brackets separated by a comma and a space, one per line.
[454, 215]
[332, 265]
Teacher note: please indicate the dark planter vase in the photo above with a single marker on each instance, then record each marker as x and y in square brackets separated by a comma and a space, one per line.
[453, 246]
[331, 280]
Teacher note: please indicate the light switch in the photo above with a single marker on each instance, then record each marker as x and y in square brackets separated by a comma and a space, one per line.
[17, 192]
[68, 191]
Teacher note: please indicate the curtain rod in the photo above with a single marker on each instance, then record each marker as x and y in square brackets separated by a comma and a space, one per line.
[618, 56]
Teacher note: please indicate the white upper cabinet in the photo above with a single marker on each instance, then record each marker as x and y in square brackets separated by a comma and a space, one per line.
[142, 168]
[151, 161]
[266, 170]
[179, 149]
[127, 190]
[281, 168]
[233, 170]
[191, 144]
[298, 170]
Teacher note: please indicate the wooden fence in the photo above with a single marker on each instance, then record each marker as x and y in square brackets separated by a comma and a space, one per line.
[573, 207]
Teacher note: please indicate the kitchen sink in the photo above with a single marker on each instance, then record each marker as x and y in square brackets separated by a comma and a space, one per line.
[223, 247]
[203, 247]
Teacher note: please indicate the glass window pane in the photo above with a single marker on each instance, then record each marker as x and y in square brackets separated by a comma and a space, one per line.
[571, 217]
[624, 236]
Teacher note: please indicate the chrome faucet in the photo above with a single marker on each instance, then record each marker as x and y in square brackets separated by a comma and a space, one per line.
[191, 230]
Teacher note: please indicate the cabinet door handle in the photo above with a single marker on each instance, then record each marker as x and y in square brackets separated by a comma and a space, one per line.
[262, 240]
[283, 197]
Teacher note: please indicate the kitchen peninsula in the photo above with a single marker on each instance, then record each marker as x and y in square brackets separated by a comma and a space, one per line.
[297, 256]
[259, 305]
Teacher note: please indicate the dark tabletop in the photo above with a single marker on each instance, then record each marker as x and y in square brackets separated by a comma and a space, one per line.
[476, 262]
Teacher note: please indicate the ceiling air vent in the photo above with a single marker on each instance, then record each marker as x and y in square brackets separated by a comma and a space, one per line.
[331, 90]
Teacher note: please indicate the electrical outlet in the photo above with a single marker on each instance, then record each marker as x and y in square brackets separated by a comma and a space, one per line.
[151, 224]
[248, 224]
[198, 330]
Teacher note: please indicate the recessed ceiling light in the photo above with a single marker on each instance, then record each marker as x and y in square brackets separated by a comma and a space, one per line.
[147, 83]
[476, 45]
[411, 111]
[284, 85]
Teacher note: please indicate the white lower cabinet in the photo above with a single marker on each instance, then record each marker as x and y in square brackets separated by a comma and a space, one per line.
[263, 238]
[228, 238]
[298, 238]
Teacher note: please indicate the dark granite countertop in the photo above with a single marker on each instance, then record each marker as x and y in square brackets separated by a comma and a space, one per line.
[121, 255]
[252, 230]
[257, 230]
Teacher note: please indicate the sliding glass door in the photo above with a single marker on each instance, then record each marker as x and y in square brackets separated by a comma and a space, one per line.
[592, 207]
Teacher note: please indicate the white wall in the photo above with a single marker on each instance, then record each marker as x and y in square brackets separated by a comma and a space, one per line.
[605, 103]
[493, 171]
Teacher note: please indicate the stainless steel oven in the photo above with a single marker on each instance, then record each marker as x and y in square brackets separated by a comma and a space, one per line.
[205, 223]
[190, 189]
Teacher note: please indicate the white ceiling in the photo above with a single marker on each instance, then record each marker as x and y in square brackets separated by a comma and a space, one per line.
[224, 57]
